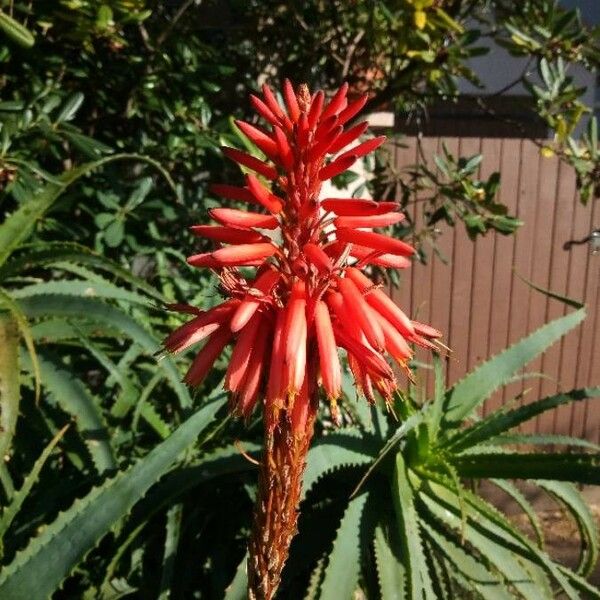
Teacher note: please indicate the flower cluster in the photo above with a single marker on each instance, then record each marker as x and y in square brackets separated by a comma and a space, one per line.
[309, 296]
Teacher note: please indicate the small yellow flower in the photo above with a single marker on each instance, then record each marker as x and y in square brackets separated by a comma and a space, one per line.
[547, 152]
[420, 19]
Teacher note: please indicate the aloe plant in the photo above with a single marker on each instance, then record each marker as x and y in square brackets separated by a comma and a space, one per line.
[414, 512]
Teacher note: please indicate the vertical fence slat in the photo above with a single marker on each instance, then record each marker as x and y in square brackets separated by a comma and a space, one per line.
[482, 306]
[483, 271]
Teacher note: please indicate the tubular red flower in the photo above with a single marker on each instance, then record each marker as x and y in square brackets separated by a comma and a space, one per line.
[376, 241]
[240, 357]
[295, 343]
[250, 162]
[360, 310]
[199, 328]
[329, 360]
[205, 359]
[263, 285]
[382, 220]
[259, 138]
[270, 201]
[318, 257]
[357, 207]
[227, 235]
[365, 147]
[348, 136]
[339, 165]
[243, 254]
[232, 217]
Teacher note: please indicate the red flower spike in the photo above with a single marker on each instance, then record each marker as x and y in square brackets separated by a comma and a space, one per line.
[352, 109]
[240, 357]
[306, 301]
[290, 101]
[362, 312]
[205, 359]
[231, 217]
[250, 162]
[364, 148]
[336, 167]
[263, 110]
[263, 285]
[315, 109]
[348, 137]
[259, 138]
[376, 241]
[263, 196]
[331, 371]
[227, 235]
[353, 207]
[337, 102]
[318, 258]
[383, 220]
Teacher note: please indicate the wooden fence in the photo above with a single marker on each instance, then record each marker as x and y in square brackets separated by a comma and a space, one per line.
[480, 303]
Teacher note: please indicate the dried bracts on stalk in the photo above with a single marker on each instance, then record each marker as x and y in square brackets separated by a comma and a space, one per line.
[308, 298]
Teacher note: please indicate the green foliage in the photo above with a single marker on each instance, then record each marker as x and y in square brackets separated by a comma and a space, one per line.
[443, 540]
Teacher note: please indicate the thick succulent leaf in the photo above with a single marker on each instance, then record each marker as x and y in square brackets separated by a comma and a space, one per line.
[568, 495]
[74, 398]
[51, 253]
[11, 511]
[331, 452]
[482, 535]
[474, 388]
[238, 588]
[18, 226]
[9, 381]
[400, 433]
[172, 536]
[528, 510]
[391, 571]
[589, 590]
[95, 310]
[541, 439]
[76, 531]
[343, 567]
[502, 420]
[24, 329]
[475, 573]
[80, 289]
[494, 524]
[436, 410]
[579, 468]
[418, 580]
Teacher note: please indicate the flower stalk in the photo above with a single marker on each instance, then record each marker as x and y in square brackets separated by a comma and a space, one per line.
[308, 298]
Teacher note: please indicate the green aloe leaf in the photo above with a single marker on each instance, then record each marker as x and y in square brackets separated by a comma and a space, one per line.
[343, 568]
[77, 531]
[502, 420]
[418, 578]
[568, 495]
[51, 253]
[11, 511]
[340, 449]
[19, 225]
[580, 468]
[10, 393]
[75, 399]
[95, 310]
[391, 571]
[475, 387]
